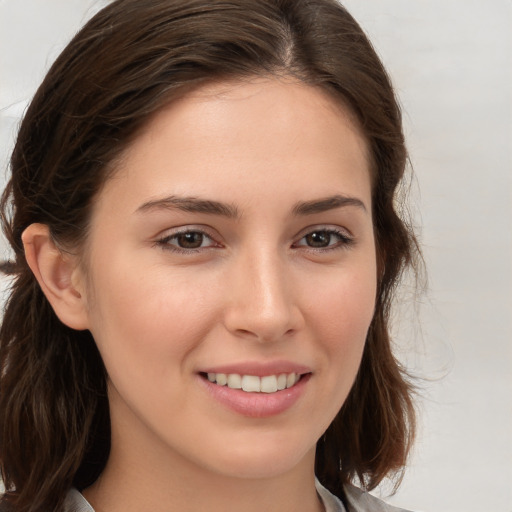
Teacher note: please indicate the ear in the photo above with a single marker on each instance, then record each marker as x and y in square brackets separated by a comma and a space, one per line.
[58, 275]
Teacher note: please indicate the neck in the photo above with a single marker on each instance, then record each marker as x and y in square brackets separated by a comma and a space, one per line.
[135, 489]
[138, 478]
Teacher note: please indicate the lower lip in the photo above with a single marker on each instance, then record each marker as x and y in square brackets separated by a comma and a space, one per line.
[257, 405]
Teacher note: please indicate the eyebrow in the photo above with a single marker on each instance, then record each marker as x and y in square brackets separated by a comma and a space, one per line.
[196, 205]
[191, 204]
[326, 204]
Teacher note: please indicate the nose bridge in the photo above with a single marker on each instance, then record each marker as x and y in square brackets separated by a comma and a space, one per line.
[262, 302]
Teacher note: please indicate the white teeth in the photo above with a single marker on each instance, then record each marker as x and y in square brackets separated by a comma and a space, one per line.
[254, 384]
[250, 383]
[281, 381]
[222, 379]
[269, 384]
[234, 381]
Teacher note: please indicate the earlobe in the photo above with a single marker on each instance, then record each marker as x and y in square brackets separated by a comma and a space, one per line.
[56, 273]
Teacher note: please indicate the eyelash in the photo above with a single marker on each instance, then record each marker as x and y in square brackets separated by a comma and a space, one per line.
[165, 244]
[344, 241]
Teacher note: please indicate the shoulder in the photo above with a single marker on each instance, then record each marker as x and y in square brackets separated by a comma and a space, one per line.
[75, 502]
[360, 501]
[355, 499]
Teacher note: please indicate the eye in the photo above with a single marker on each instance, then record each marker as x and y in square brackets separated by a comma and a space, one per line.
[187, 240]
[325, 239]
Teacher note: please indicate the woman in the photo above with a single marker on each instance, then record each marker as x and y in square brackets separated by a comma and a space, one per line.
[206, 248]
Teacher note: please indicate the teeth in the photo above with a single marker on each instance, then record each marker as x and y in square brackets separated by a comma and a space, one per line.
[250, 383]
[254, 384]
[222, 379]
[234, 381]
[269, 384]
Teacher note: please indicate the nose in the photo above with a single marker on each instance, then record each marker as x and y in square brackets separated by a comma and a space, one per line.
[262, 304]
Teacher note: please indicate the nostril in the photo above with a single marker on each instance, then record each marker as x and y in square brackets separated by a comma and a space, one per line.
[264, 335]
[245, 332]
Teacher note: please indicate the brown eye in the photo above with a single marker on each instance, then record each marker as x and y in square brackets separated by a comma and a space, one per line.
[318, 239]
[187, 241]
[325, 239]
[190, 240]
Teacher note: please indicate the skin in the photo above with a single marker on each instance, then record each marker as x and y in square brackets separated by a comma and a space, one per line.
[254, 290]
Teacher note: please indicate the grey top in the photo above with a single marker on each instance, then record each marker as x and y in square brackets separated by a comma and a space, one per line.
[357, 501]
[360, 501]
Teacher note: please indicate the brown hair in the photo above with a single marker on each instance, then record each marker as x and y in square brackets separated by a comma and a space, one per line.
[128, 62]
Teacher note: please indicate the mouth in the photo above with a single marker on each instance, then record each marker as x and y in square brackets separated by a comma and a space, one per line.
[253, 383]
[257, 396]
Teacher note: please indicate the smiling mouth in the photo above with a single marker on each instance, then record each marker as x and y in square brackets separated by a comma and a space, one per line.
[253, 383]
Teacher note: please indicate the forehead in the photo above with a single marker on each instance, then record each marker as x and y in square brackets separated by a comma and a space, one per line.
[252, 132]
[277, 102]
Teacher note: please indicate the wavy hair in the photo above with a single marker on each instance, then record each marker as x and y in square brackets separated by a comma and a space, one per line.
[127, 62]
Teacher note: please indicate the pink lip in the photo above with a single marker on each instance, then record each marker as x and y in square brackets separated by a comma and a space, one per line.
[256, 405]
[259, 369]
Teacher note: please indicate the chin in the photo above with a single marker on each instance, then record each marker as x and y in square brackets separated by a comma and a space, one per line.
[262, 460]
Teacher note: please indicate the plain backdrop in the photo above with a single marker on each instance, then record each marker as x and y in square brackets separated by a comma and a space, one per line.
[451, 63]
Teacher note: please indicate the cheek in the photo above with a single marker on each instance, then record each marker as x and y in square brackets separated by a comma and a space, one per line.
[341, 315]
[346, 299]
[337, 320]
[148, 317]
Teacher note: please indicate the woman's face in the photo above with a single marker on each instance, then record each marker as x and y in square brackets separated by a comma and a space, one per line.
[234, 243]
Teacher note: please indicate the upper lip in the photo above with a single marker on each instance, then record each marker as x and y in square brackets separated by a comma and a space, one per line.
[259, 369]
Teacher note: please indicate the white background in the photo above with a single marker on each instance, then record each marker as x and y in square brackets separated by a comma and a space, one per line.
[451, 62]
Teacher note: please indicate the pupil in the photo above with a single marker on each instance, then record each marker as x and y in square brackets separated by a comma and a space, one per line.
[191, 240]
[318, 239]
